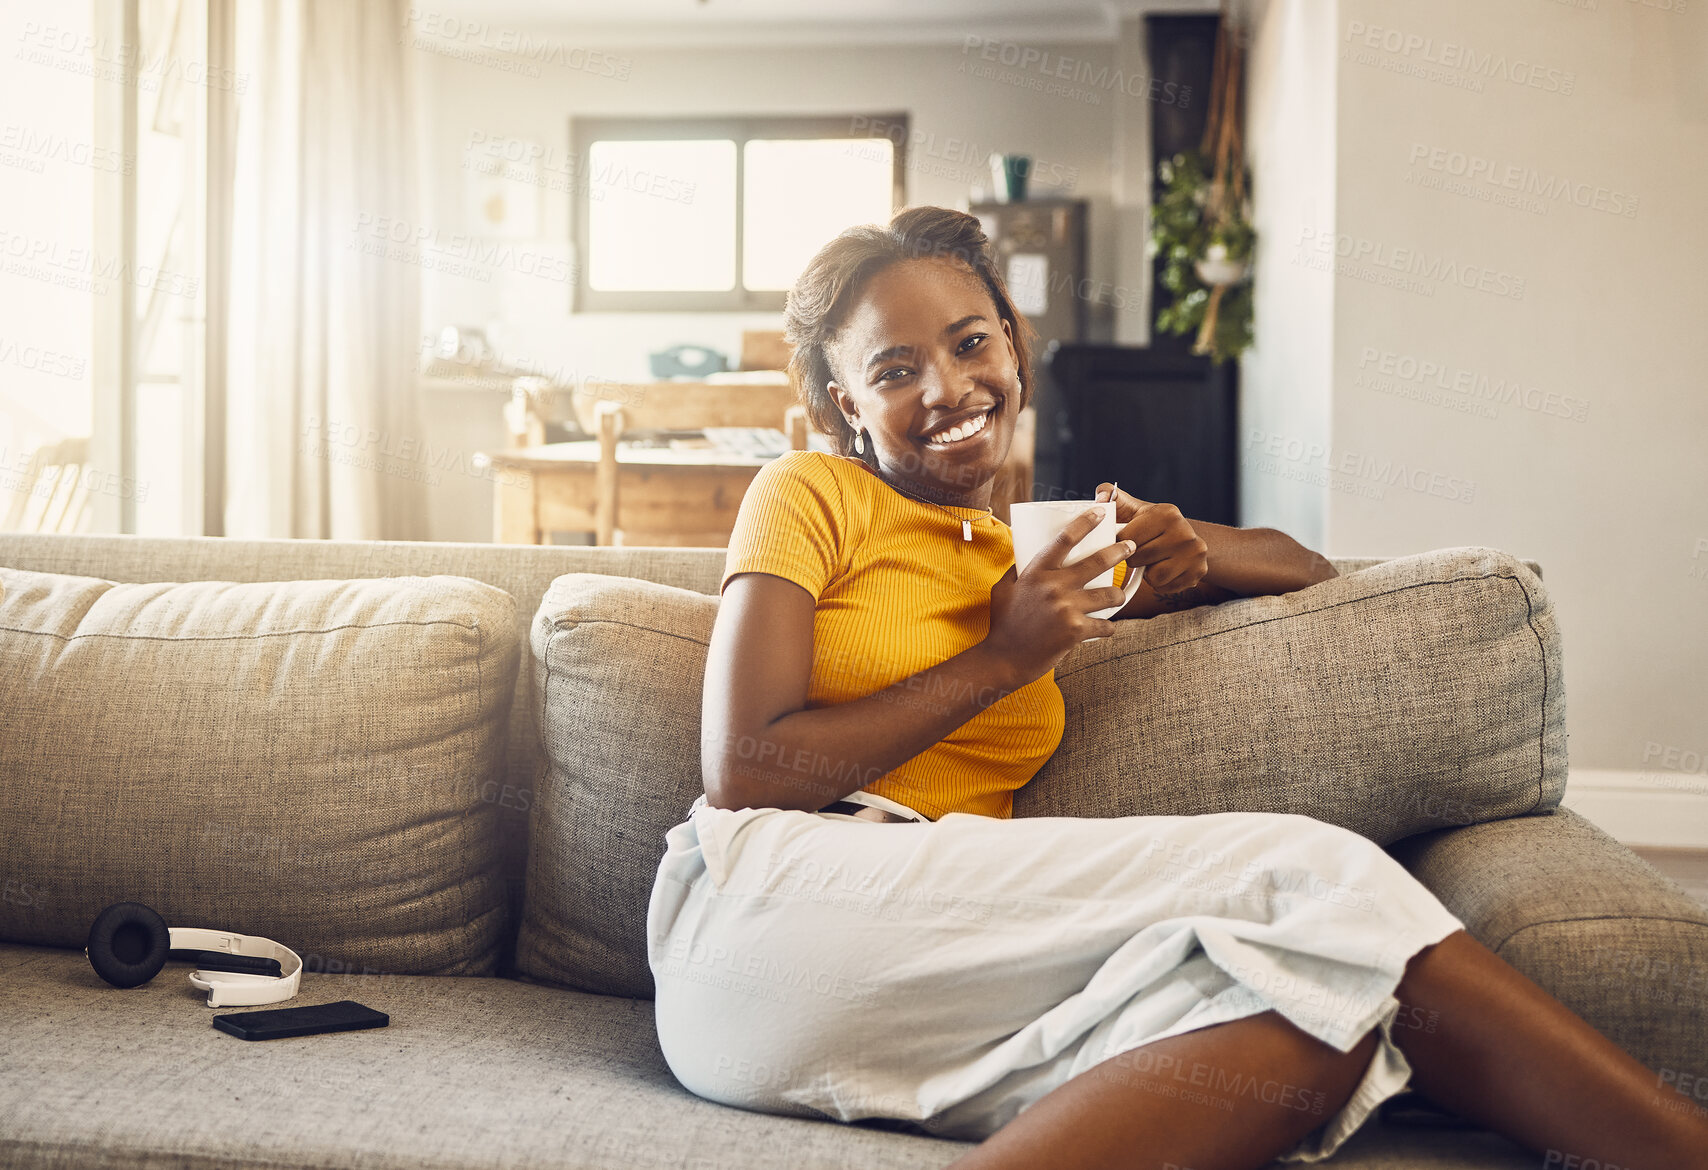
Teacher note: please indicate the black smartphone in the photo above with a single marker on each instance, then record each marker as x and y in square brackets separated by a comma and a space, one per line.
[344, 1016]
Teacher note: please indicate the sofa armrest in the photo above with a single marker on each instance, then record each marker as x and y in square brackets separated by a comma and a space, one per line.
[1591, 922]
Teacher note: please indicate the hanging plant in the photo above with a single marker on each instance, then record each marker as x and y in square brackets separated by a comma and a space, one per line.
[1201, 226]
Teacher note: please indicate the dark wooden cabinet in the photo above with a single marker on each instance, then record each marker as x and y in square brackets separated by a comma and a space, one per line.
[1161, 423]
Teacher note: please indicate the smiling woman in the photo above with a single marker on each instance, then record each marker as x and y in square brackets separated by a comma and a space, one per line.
[1041, 985]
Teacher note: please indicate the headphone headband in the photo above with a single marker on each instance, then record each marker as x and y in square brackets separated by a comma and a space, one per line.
[232, 987]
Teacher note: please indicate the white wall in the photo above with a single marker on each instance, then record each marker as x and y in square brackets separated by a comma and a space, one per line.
[1562, 415]
[1609, 322]
[1286, 377]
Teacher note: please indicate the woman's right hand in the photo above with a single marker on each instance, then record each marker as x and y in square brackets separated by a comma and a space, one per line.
[1041, 612]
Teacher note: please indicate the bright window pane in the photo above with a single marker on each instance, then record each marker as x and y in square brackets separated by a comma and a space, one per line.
[801, 193]
[661, 216]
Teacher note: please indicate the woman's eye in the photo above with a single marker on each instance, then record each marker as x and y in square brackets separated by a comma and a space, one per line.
[972, 341]
[899, 371]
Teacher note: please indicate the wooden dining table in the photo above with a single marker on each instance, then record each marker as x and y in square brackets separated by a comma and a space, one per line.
[687, 493]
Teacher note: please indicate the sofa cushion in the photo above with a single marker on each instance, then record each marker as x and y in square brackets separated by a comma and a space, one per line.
[619, 666]
[311, 761]
[1421, 692]
[1591, 922]
[471, 1074]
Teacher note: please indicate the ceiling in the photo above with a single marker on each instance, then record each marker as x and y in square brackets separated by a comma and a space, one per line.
[799, 21]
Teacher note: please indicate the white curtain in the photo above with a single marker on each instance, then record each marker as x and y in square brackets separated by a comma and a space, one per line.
[323, 432]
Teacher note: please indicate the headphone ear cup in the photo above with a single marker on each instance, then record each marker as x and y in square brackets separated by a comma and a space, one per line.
[128, 944]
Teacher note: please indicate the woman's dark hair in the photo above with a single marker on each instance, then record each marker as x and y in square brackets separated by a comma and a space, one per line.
[826, 290]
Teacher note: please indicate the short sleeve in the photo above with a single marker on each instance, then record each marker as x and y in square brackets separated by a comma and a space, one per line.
[789, 524]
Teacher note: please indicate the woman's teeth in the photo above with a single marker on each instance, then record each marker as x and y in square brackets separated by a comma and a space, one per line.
[963, 431]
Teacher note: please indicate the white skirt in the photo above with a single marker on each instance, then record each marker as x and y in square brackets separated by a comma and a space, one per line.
[950, 973]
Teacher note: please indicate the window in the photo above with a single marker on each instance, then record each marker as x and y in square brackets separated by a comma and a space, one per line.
[722, 213]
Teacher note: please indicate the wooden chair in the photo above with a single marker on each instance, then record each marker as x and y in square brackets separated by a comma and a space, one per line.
[653, 518]
[54, 475]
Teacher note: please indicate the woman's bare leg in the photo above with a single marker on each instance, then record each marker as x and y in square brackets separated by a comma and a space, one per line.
[1489, 1044]
[1482, 1040]
[1168, 1103]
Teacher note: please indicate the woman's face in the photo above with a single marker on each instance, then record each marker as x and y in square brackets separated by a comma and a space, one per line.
[921, 351]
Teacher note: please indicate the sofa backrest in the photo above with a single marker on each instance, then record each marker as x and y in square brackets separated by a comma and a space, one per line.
[523, 571]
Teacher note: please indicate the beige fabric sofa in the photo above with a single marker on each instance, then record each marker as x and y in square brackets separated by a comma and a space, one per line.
[413, 726]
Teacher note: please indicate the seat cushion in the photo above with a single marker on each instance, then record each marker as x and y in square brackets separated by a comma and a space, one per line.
[1418, 693]
[470, 1074]
[311, 761]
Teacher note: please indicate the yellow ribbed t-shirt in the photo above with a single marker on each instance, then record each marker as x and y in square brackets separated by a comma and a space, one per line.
[898, 590]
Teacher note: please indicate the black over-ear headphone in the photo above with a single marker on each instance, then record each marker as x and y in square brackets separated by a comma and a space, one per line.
[129, 944]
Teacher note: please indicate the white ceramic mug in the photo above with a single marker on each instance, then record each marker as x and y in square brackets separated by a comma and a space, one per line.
[1037, 523]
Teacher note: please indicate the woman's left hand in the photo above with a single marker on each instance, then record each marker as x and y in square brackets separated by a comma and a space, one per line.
[1169, 550]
